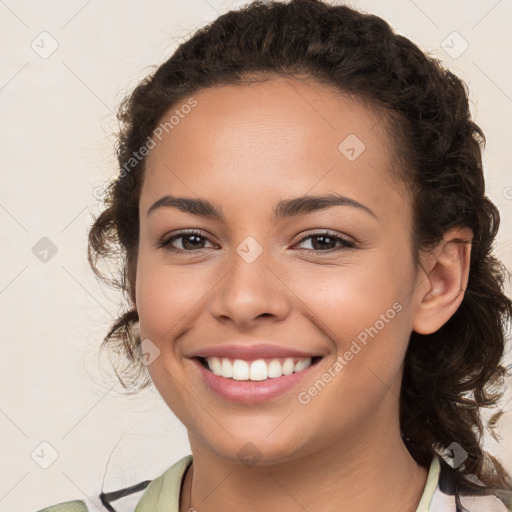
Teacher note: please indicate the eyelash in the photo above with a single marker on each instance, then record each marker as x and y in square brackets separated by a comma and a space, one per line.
[346, 244]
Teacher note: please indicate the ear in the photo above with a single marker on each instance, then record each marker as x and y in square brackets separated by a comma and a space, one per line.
[440, 292]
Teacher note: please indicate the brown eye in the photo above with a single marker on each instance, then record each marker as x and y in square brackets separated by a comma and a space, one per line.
[190, 240]
[326, 241]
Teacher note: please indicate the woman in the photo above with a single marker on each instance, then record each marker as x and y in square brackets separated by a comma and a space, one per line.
[307, 243]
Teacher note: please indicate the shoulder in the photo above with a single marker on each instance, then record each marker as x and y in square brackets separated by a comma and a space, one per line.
[164, 491]
[82, 506]
[448, 492]
[123, 500]
[68, 506]
[489, 503]
[147, 496]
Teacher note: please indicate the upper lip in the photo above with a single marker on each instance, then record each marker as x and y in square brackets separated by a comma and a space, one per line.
[250, 352]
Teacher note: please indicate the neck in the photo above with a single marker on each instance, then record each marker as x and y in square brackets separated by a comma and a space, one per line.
[364, 476]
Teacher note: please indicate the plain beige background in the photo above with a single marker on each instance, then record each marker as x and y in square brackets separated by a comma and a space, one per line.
[65, 68]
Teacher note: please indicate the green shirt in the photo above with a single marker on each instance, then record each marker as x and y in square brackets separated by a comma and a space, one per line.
[163, 494]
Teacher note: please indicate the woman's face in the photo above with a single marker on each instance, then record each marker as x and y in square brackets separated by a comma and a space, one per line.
[245, 287]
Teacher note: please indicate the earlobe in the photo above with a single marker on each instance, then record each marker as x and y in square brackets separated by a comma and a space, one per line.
[442, 289]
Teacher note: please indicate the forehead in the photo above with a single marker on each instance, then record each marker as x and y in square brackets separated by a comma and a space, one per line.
[264, 140]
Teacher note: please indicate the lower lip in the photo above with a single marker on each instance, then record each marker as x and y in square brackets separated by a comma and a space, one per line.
[251, 391]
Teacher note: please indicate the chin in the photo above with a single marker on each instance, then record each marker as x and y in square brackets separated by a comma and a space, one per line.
[256, 450]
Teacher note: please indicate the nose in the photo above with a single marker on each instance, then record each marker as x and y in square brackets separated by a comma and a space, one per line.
[250, 292]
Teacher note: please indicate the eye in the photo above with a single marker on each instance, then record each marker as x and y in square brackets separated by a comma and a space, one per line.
[192, 240]
[325, 240]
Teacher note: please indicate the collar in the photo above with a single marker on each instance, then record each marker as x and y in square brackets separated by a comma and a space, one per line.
[430, 486]
[163, 493]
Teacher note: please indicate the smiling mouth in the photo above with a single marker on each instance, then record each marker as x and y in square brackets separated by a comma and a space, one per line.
[258, 369]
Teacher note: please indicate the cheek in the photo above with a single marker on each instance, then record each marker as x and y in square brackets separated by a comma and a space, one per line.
[364, 310]
[155, 299]
[365, 314]
[349, 299]
[168, 298]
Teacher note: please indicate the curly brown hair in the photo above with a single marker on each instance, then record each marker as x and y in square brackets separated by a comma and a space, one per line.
[449, 375]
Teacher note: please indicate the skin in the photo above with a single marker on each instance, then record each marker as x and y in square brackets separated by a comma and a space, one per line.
[245, 148]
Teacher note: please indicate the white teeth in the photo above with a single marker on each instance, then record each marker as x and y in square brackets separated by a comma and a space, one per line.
[300, 365]
[288, 366]
[226, 368]
[214, 365]
[240, 370]
[257, 370]
[275, 369]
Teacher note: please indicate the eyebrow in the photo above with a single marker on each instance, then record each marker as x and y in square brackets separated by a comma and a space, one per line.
[285, 208]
